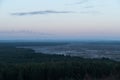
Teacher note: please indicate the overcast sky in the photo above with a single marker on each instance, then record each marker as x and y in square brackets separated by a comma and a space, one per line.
[60, 19]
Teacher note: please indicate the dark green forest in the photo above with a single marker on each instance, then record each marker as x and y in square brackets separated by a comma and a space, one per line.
[25, 64]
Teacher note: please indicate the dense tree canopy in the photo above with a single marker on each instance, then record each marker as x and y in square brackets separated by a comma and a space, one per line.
[25, 64]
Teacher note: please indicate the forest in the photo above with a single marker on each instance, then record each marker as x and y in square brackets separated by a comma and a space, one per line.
[25, 64]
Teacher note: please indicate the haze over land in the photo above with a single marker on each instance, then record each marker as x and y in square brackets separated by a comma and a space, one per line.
[98, 49]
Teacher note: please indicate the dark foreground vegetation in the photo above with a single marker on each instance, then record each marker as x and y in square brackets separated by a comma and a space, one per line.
[25, 64]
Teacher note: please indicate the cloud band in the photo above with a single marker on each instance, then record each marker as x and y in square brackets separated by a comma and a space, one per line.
[41, 12]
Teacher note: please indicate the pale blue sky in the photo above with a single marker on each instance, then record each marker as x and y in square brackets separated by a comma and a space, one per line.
[78, 19]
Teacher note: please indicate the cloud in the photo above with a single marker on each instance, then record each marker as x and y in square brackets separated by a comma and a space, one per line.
[88, 7]
[41, 12]
[23, 32]
[85, 4]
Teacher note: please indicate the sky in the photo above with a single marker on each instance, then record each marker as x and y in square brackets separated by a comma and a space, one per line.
[60, 19]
